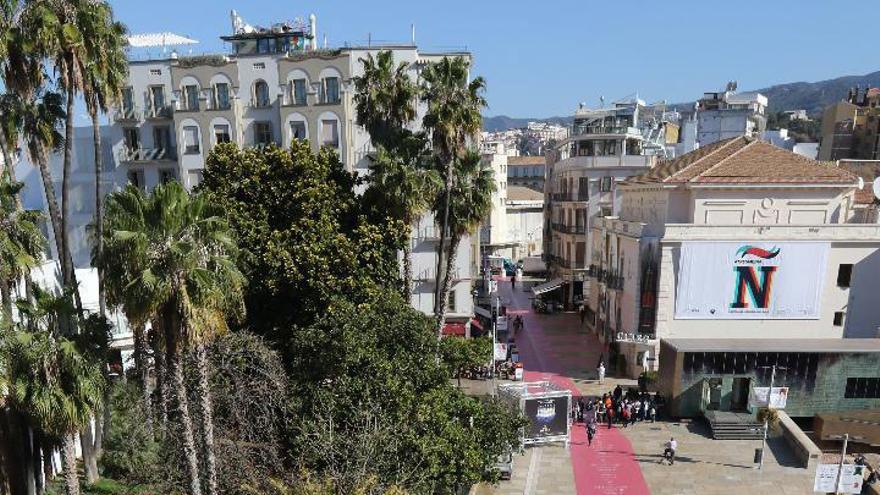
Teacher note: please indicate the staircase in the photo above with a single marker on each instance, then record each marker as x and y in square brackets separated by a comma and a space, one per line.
[726, 425]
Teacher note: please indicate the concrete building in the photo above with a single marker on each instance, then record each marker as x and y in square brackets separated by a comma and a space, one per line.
[733, 219]
[273, 86]
[728, 114]
[526, 171]
[525, 222]
[493, 231]
[781, 139]
[605, 147]
[851, 128]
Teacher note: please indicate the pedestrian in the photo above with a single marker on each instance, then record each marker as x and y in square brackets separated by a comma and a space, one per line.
[583, 313]
[617, 392]
[601, 372]
[625, 416]
[652, 412]
[591, 430]
[513, 281]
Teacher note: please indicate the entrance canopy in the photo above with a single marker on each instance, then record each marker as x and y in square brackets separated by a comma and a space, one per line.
[547, 286]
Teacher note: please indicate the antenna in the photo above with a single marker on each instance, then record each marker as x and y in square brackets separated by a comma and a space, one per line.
[876, 188]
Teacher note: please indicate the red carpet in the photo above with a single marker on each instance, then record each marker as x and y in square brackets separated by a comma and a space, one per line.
[609, 465]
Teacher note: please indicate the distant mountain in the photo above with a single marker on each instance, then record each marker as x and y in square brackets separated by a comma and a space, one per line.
[812, 97]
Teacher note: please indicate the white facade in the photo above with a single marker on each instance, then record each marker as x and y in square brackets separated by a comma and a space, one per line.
[493, 233]
[525, 222]
[728, 114]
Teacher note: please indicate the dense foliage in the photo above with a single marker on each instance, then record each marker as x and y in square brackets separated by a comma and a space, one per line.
[305, 234]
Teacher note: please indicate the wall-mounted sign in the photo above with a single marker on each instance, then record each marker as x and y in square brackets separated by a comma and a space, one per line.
[748, 280]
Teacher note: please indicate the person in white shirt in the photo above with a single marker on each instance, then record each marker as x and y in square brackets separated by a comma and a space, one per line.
[669, 452]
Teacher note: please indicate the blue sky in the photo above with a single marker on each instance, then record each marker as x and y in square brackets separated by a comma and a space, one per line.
[542, 58]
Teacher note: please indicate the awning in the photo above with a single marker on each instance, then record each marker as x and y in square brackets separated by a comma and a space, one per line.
[454, 329]
[547, 286]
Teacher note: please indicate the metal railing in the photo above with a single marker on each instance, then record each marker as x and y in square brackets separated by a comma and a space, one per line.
[161, 112]
[126, 155]
[569, 229]
[127, 115]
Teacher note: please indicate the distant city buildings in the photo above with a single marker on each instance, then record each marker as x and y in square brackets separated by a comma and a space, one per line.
[532, 140]
[728, 114]
[851, 127]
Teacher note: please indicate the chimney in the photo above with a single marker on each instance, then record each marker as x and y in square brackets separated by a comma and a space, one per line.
[313, 30]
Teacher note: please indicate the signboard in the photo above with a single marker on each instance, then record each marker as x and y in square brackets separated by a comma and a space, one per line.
[500, 351]
[778, 399]
[548, 417]
[743, 280]
[850, 482]
[501, 324]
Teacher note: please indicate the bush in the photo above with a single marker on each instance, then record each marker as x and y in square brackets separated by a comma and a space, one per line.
[130, 453]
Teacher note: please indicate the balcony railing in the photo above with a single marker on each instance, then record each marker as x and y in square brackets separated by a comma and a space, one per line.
[577, 130]
[161, 112]
[571, 196]
[569, 229]
[127, 115]
[127, 155]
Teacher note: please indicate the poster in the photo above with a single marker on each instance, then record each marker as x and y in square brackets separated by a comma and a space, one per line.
[500, 352]
[851, 481]
[778, 399]
[750, 280]
[548, 417]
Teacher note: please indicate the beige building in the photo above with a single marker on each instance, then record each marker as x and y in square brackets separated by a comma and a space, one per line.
[851, 128]
[739, 239]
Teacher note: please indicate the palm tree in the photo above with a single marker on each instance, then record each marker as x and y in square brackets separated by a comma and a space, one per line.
[402, 189]
[385, 98]
[453, 117]
[191, 283]
[21, 242]
[105, 78]
[469, 202]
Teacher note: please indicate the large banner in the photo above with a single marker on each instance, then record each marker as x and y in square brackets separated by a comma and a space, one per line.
[743, 280]
[548, 417]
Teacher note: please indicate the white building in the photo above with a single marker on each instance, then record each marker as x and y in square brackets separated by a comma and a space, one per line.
[605, 147]
[274, 86]
[728, 114]
[739, 239]
[493, 232]
[525, 222]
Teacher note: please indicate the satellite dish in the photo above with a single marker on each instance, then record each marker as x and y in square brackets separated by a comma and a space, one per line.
[876, 188]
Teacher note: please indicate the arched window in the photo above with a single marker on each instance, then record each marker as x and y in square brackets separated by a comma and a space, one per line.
[261, 94]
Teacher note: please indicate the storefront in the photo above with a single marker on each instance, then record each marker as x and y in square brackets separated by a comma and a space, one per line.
[822, 375]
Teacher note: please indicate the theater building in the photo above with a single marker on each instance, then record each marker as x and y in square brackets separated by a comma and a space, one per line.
[737, 240]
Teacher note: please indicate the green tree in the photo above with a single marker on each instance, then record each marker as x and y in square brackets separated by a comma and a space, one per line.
[385, 99]
[459, 354]
[453, 118]
[304, 234]
[21, 243]
[187, 270]
[469, 202]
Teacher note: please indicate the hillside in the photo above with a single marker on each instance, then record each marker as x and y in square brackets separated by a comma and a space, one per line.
[813, 97]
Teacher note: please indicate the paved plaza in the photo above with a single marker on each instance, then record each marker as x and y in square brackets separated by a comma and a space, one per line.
[626, 461]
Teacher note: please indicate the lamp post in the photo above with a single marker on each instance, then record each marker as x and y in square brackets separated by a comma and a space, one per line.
[766, 416]
[840, 465]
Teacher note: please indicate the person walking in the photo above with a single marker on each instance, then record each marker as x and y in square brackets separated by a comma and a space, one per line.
[591, 431]
[601, 372]
[609, 416]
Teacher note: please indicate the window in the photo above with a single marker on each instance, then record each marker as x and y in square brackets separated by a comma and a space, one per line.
[191, 97]
[261, 94]
[132, 138]
[262, 133]
[838, 318]
[862, 388]
[298, 129]
[605, 184]
[298, 92]
[259, 66]
[155, 72]
[157, 98]
[221, 96]
[330, 133]
[128, 101]
[162, 137]
[191, 139]
[330, 90]
[167, 175]
[844, 274]
[221, 133]
[450, 302]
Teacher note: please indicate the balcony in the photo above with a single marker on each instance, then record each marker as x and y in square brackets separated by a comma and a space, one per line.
[569, 229]
[163, 112]
[428, 275]
[607, 161]
[140, 155]
[127, 115]
[580, 130]
[582, 196]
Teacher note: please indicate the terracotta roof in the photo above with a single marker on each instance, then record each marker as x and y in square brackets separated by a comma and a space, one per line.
[526, 160]
[520, 193]
[744, 160]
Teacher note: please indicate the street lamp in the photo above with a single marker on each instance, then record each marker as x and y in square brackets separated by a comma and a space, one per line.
[773, 369]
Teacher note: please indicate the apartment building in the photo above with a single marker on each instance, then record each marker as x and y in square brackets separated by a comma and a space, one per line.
[526, 171]
[525, 222]
[604, 147]
[728, 114]
[851, 128]
[273, 86]
[737, 240]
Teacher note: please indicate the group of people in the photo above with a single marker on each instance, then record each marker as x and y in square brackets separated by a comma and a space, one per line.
[625, 409]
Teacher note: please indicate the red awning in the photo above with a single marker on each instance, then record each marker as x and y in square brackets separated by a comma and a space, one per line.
[454, 329]
[476, 323]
